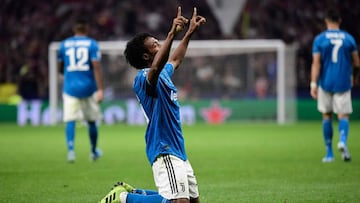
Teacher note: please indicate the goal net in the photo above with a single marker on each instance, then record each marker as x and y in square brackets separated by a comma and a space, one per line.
[253, 79]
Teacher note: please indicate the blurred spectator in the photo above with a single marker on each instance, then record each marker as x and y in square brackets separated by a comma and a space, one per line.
[261, 88]
[28, 82]
[27, 27]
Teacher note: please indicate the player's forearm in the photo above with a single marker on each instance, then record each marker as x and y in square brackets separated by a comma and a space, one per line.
[162, 56]
[356, 68]
[99, 82]
[179, 53]
[315, 70]
[98, 76]
[160, 59]
[356, 75]
[314, 74]
[356, 59]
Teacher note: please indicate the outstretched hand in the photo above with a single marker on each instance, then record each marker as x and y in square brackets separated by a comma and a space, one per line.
[179, 53]
[196, 21]
[179, 22]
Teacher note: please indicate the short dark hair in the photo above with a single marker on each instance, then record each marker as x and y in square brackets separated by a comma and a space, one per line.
[333, 15]
[135, 49]
[81, 24]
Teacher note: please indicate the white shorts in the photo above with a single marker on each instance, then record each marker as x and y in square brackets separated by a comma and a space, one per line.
[339, 103]
[86, 109]
[174, 178]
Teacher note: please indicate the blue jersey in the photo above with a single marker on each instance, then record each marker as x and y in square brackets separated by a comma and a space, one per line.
[335, 48]
[76, 53]
[161, 107]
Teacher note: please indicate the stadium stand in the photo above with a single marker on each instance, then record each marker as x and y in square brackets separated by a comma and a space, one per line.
[27, 27]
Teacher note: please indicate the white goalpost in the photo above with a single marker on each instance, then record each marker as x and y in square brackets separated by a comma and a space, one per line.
[240, 52]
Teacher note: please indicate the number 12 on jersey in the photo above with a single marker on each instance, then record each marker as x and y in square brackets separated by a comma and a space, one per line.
[78, 59]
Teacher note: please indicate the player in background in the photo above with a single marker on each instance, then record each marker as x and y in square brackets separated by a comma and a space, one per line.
[334, 55]
[173, 174]
[79, 62]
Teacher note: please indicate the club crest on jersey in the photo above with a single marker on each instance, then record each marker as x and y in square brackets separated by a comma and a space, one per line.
[173, 96]
[145, 72]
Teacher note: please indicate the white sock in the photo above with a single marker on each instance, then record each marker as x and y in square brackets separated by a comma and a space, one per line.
[123, 197]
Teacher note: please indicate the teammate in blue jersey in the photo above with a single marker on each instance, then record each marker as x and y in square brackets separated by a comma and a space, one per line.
[79, 63]
[334, 56]
[173, 174]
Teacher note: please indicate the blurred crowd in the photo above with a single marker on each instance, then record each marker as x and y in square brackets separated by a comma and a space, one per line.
[27, 28]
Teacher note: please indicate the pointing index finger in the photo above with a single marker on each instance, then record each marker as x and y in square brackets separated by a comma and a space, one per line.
[179, 11]
[195, 12]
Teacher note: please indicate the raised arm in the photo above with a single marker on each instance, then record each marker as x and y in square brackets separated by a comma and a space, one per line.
[179, 53]
[162, 55]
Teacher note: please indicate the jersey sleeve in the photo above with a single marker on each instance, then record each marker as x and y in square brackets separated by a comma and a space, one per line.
[141, 82]
[316, 47]
[95, 54]
[169, 68]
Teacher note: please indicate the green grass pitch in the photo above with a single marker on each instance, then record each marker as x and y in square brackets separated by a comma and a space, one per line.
[234, 163]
